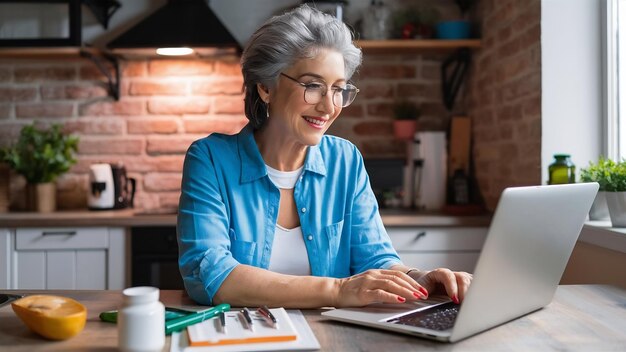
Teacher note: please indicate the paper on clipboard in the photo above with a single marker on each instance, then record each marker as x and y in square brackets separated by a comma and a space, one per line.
[305, 340]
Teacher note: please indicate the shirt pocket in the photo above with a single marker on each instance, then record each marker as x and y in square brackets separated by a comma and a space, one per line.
[243, 251]
[333, 233]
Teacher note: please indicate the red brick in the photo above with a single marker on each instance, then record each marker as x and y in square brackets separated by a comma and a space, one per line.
[5, 75]
[107, 108]
[226, 68]
[532, 106]
[169, 200]
[217, 86]
[162, 181]
[169, 145]
[11, 94]
[146, 200]
[58, 92]
[380, 109]
[387, 71]
[5, 111]
[172, 163]
[179, 106]
[374, 128]
[528, 17]
[134, 68]
[434, 109]
[69, 181]
[379, 90]
[153, 125]
[509, 49]
[508, 151]
[110, 145]
[72, 199]
[226, 124]
[45, 110]
[228, 105]
[108, 126]
[354, 110]
[531, 37]
[158, 88]
[180, 67]
[430, 72]
[516, 66]
[522, 87]
[510, 112]
[90, 72]
[33, 74]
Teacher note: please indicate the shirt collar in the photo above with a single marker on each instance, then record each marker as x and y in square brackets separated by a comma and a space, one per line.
[253, 166]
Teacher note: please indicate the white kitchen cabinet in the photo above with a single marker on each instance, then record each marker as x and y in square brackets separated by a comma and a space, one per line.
[427, 248]
[86, 258]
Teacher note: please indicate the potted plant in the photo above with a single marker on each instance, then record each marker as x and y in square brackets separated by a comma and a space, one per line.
[598, 172]
[41, 155]
[406, 113]
[616, 193]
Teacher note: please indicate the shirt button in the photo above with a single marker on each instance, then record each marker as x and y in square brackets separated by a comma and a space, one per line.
[303, 210]
[310, 238]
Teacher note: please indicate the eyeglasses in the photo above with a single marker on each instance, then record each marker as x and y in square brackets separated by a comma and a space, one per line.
[313, 93]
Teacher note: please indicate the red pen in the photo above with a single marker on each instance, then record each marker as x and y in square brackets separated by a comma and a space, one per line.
[267, 314]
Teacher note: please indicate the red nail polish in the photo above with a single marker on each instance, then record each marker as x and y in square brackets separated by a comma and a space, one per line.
[417, 295]
[424, 291]
[401, 299]
[455, 299]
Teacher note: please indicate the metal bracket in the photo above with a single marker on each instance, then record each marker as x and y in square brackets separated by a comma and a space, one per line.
[114, 84]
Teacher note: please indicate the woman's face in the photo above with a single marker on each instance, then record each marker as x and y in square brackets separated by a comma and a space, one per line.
[290, 114]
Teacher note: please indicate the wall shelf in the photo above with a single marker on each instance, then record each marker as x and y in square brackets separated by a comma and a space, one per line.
[412, 46]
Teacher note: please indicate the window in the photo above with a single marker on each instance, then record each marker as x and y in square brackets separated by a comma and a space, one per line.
[615, 87]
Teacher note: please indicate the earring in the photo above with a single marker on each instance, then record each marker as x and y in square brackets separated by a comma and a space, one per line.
[267, 110]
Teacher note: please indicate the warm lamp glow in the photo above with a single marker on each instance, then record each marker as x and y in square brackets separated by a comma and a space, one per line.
[174, 51]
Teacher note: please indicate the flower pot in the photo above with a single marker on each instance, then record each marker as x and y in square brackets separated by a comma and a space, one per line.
[453, 30]
[404, 129]
[41, 197]
[599, 208]
[616, 202]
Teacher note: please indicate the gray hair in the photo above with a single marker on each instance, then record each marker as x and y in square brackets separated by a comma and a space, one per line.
[285, 39]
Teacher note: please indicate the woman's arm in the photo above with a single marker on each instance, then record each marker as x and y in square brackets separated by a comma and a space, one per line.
[251, 286]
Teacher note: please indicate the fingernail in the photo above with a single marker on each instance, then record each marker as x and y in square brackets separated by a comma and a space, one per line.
[401, 299]
[424, 291]
[417, 295]
[455, 299]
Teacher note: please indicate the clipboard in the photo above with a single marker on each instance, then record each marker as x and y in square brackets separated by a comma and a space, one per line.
[306, 340]
[210, 333]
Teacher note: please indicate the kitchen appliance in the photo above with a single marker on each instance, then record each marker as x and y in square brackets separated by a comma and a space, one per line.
[109, 187]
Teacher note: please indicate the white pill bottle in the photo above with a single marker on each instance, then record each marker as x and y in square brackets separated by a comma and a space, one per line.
[141, 320]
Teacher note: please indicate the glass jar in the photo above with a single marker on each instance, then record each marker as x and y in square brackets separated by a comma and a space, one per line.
[141, 320]
[562, 170]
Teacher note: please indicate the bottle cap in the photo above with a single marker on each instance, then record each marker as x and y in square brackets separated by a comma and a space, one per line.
[141, 294]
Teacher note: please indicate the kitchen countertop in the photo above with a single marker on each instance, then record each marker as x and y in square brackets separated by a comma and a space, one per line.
[130, 218]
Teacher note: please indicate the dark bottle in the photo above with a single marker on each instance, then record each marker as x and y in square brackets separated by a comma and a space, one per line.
[562, 170]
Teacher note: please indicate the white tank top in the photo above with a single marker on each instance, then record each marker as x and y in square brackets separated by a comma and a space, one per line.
[289, 255]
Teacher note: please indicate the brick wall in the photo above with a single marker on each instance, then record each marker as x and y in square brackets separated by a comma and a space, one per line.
[504, 97]
[167, 104]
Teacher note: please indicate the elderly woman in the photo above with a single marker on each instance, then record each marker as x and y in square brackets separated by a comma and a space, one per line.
[281, 214]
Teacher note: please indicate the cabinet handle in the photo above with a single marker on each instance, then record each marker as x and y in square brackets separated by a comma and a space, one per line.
[419, 235]
[59, 233]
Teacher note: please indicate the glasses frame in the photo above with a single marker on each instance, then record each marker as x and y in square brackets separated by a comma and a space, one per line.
[305, 86]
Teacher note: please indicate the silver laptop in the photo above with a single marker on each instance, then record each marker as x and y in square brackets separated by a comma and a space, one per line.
[531, 237]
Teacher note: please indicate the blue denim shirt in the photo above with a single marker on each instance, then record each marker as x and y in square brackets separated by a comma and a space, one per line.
[228, 210]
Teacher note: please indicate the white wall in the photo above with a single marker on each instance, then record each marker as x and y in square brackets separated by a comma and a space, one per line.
[571, 69]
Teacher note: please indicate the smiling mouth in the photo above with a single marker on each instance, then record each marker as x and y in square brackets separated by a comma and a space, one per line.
[315, 122]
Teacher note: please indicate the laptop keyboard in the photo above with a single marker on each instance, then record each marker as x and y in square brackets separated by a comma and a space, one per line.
[439, 318]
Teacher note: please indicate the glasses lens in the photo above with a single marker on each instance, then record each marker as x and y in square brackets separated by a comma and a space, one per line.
[348, 95]
[312, 95]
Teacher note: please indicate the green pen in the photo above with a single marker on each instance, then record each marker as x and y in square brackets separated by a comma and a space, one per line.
[194, 318]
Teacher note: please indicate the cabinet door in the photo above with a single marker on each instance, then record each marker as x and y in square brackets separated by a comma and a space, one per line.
[456, 248]
[61, 258]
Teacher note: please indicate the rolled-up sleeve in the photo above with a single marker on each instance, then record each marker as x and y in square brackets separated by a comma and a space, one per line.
[205, 259]
[370, 244]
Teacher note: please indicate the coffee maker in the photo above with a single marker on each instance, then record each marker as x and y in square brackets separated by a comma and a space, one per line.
[109, 187]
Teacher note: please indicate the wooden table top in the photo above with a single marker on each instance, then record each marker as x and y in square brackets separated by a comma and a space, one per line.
[581, 317]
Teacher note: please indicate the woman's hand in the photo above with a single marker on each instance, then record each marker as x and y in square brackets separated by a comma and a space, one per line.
[373, 286]
[452, 283]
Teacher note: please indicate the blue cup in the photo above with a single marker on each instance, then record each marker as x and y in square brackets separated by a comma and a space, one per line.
[453, 30]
